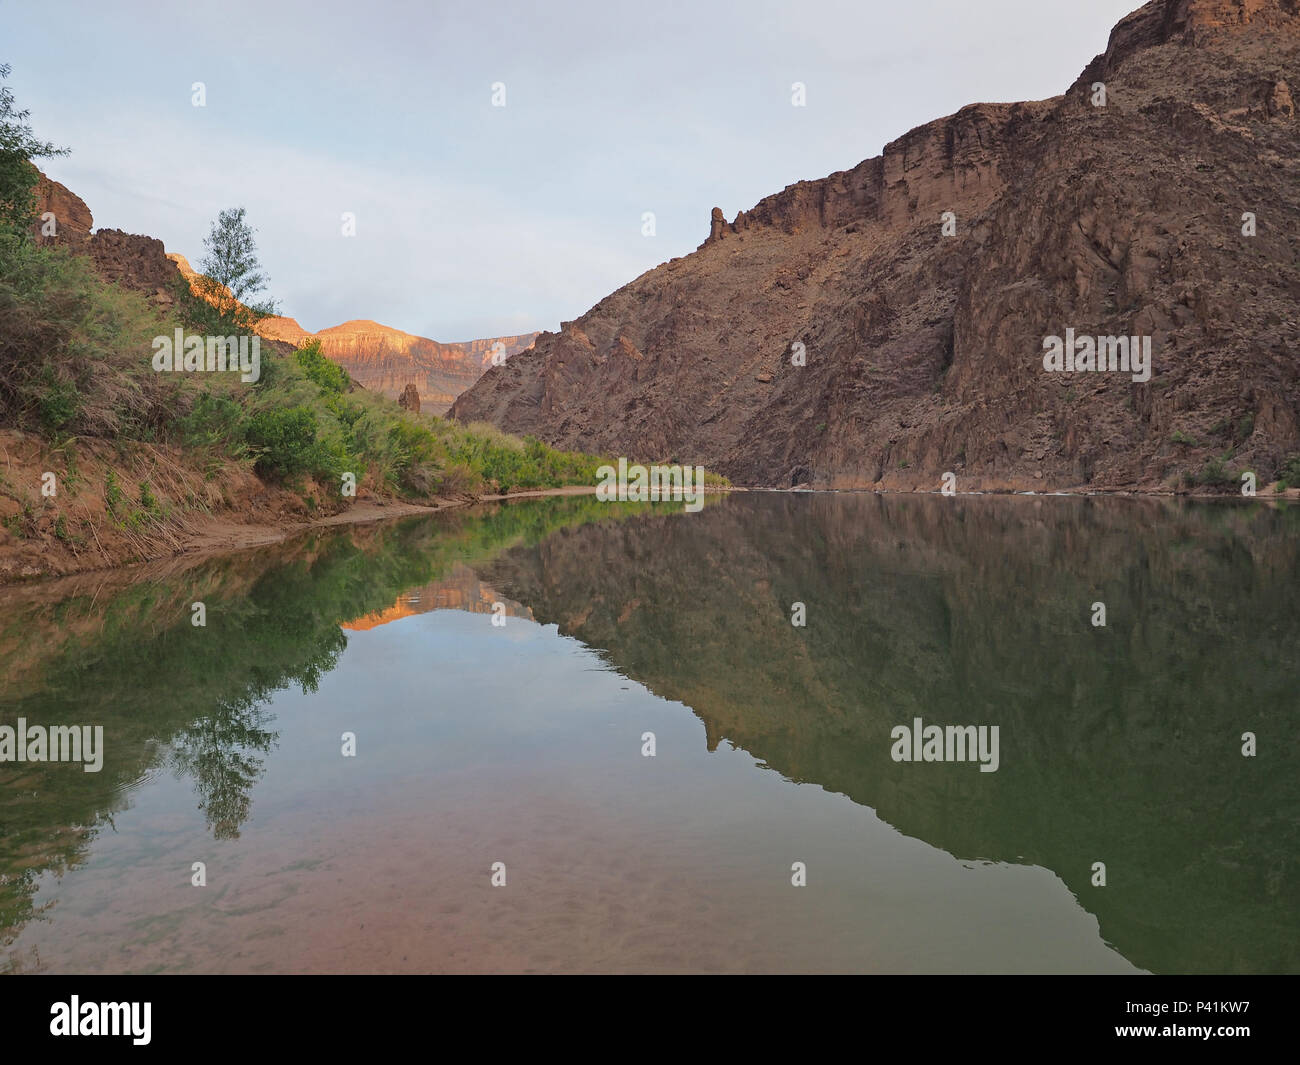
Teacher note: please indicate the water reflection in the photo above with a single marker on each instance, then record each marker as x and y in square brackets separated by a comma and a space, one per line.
[1118, 744]
[120, 650]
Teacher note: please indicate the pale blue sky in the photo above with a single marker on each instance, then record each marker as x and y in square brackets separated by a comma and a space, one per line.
[479, 221]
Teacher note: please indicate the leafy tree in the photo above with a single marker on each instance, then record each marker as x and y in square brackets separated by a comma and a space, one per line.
[231, 259]
[17, 148]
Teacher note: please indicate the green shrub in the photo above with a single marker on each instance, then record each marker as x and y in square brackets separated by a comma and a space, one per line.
[1217, 473]
[459, 479]
[347, 412]
[329, 376]
[416, 457]
[285, 442]
[113, 497]
[1214, 474]
[214, 421]
[58, 403]
[74, 350]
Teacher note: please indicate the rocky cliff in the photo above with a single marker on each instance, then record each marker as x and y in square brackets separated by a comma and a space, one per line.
[129, 259]
[918, 288]
[71, 221]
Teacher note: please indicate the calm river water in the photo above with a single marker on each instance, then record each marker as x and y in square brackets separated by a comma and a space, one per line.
[501, 675]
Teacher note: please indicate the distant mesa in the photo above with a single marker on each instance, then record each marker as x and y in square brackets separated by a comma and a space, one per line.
[387, 360]
[286, 329]
[390, 361]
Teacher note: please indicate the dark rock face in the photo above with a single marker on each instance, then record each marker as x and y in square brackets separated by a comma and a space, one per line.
[128, 259]
[132, 260]
[923, 352]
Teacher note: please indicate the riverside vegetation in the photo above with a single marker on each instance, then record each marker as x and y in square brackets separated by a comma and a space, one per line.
[104, 457]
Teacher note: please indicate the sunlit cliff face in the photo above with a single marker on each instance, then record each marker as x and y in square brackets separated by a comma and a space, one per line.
[385, 360]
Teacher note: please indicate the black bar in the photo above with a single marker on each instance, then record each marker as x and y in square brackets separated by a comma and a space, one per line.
[879, 1015]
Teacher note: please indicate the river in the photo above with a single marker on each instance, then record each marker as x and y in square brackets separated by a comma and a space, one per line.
[557, 735]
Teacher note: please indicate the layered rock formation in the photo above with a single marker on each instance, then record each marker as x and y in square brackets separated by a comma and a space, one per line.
[387, 360]
[834, 335]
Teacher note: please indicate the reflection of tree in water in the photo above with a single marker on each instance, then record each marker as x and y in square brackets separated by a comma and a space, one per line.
[273, 622]
[217, 750]
[17, 890]
[221, 749]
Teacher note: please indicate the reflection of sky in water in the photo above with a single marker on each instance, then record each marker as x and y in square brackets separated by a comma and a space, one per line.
[518, 744]
[479, 744]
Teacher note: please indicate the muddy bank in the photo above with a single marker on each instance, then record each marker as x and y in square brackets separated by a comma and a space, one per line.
[89, 505]
[34, 552]
[32, 548]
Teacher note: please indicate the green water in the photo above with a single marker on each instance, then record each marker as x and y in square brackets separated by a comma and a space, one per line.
[521, 743]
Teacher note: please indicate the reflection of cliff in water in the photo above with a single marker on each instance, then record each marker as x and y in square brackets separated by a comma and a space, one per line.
[119, 650]
[459, 589]
[1119, 744]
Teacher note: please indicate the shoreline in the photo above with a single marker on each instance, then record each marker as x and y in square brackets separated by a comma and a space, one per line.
[1263, 495]
[220, 536]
